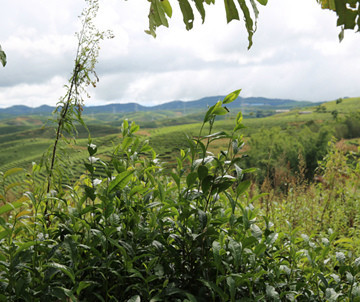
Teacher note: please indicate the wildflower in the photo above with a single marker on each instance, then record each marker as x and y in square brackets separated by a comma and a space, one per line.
[93, 159]
[97, 182]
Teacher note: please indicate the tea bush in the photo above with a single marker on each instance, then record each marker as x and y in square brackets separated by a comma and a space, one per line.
[141, 234]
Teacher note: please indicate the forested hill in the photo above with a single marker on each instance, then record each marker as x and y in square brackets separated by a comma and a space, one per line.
[174, 105]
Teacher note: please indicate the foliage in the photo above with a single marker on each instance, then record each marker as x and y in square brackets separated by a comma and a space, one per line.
[347, 11]
[277, 151]
[140, 234]
[328, 202]
[161, 10]
[2, 57]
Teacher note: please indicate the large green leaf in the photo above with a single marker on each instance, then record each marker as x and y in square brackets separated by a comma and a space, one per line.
[167, 7]
[231, 10]
[120, 180]
[200, 7]
[187, 12]
[231, 97]
[248, 21]
[157, 17]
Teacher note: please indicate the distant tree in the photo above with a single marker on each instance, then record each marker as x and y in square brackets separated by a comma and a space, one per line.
[320, 109]
[338, 101]
[335, 114]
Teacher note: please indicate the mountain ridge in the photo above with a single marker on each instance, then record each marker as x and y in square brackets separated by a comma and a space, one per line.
[201, 103]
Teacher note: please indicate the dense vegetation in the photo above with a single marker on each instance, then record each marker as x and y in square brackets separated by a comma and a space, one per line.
[106, 219]
[202, 232]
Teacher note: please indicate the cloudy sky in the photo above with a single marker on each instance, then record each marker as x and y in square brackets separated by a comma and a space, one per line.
[296, 54]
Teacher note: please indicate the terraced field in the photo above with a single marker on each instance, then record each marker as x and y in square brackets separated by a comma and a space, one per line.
[24, 140]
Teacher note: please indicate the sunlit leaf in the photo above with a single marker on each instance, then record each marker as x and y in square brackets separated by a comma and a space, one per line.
[12, 171]
[231, 97]
[167, 7]
[120, 180]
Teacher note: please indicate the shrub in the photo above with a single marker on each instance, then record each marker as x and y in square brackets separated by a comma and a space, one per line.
[138, 234]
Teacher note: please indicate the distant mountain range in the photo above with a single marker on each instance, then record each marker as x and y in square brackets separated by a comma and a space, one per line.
[20, 110]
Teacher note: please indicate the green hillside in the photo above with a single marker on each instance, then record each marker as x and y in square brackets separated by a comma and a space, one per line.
[23, 140]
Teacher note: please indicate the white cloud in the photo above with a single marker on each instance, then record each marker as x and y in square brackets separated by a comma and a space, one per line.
[33, 95]
[296, 54]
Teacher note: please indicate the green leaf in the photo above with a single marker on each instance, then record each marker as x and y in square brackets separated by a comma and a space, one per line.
[120, 180]
[209, 113]
[187, 12]
[262, 2]
[191, 178]
[202, 172]
[134, 299]
[248, 21]
[11, 206]
[2, 57]
[202, 219]
[272, 293]
[82, 285]
[66, 270]
[12, 171]
[235, 250]
[176, 178]
[200, 7]
[231, 11]
[206, 183]
[220, 111]
[161, 192]
[89, 167]
[256, 231]
[231, 97]
[331, 295]
[239, 118]
[260, 249]
[126, 143]
[167, 7]
[255, 9]
[191, 297]
[217, 258]
[243, 186]
[232, 288]
[221, 134]
[90, 192]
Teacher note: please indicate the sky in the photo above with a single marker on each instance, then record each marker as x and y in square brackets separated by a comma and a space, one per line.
[296, 54]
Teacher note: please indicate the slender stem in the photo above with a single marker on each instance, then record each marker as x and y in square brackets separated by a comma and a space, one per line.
[58, 131]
